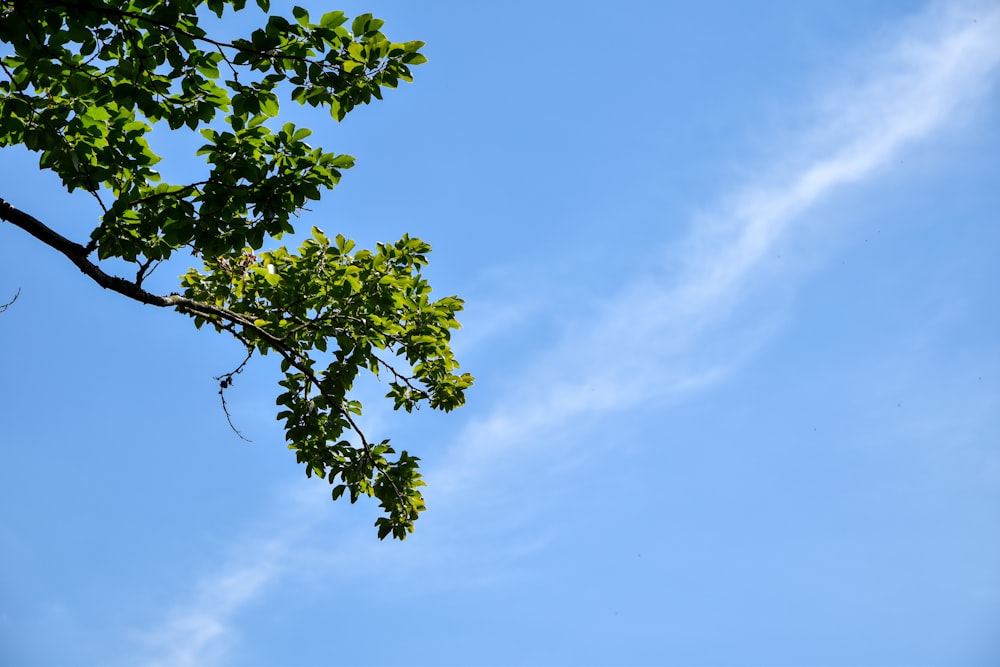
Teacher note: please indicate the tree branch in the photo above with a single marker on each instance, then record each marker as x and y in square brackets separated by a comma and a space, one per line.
[78, 254]
[5, 306]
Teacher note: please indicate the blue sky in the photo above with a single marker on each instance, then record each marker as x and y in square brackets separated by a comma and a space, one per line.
[730, 273]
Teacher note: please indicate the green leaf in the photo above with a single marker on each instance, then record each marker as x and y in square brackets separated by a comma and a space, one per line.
[269, 104]
[301, 15]
[414, 59]
[332, 19]
[320, 237]
[94, 92]
[360, 24]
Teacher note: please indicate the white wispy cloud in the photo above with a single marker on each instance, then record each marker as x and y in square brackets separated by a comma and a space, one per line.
[199, 630]
[897, 94]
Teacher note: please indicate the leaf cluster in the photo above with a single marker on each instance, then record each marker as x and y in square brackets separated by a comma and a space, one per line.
[331, 312]
[84, 84]
[89, 79]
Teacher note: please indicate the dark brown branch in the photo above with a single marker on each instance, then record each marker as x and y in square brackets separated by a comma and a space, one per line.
[77, 254]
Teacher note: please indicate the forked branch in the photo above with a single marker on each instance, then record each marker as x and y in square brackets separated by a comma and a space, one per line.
[238, 325]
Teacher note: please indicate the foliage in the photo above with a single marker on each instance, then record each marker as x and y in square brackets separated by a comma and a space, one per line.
[84, 82]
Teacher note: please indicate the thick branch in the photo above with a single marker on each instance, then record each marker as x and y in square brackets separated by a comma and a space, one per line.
[78, 254]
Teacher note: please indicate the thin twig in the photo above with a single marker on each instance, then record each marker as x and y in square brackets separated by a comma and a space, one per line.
[7, 305]
[225, 382]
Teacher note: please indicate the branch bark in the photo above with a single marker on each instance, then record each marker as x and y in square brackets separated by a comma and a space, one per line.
[79, 254]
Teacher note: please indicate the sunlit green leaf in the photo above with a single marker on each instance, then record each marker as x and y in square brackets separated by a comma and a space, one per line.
[98, 98]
